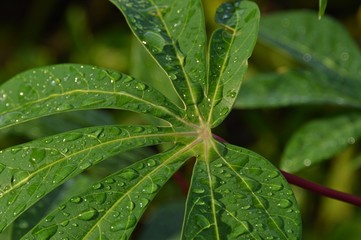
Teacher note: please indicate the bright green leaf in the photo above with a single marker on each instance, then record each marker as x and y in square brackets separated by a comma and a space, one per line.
[319, 140]
[174, 33]
[31, 170]
[236, 194]
[230, 48]
[113, 206]
[61, 88]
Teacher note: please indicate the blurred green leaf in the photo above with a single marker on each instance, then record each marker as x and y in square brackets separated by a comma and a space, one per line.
[319, 140]
[297, 87]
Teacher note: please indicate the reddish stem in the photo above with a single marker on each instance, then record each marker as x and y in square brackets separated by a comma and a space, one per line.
[328, 192]
[182, 183]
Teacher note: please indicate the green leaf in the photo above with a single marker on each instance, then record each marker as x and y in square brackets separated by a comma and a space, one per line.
[327, 48]
[296, 87]
[31, 170]
[319, 140]
[230, 48]
[236, 194]
[322, 8]
[61, 88]
[174, 33]
[113, 206]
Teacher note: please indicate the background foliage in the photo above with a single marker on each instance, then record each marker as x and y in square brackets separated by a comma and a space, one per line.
[45, 32]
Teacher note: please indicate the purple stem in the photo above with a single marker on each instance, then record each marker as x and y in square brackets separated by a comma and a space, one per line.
[328, 192]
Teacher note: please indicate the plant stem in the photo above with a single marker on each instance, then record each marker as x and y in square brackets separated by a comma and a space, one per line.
[317, 188]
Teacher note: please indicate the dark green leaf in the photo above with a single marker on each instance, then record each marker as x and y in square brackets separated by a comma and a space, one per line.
[319, 140]
[322, 45]
[295, 88]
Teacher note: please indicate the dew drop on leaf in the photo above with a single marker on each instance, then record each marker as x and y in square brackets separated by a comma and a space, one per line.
[143, 202]
[125, 224]
[284, 203]
[76, 199]
[85, 165]
[155, 41]
[129, 174]
[72, 136]
[100, 198]
[97, 186]
[198, 190]
[202, 221]
[138, 129]
[242, 228]
[88, 215]
[140, 86]
[2, 168]
[45, 233]
[109, 180]
[151, 188]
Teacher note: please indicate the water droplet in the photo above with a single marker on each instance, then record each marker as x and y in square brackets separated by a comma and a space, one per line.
[124, 224]
[202, 221]
[88, 215]
[72, 136]
[76, 199]
[307, 57]
[138, 129]
[151, 188]
[307, 162]
[97, 186]
[172, 76]
[62, 207]
[37, 155]
[151, 163]
[85, 165]
[45, 233]
[275, 187]
[129, 174]
[143, 202]
[140, 86]
[198, 190]
[284, 203]
[100, 198]
[109, 180]
[64, 107]
[273, 174]
[154, 41]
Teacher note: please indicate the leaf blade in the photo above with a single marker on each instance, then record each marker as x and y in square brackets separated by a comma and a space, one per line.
[69, 87]
[174, 33]
[319, 140]
[112, 206]
[44, 164]
[230, 48]
[236, 194]
[296, 87]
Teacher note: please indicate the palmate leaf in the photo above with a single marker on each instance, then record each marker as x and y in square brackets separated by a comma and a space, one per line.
[241, 194]
[319, 140]
[113, 206]
[174, 33]
[230, 48]
[236, 194]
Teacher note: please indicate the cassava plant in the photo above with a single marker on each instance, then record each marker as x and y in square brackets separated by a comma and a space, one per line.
[234, 192]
